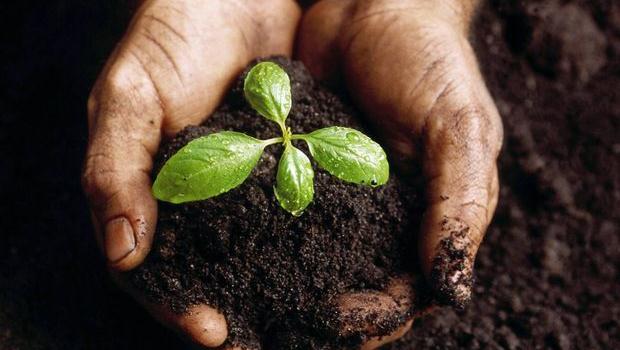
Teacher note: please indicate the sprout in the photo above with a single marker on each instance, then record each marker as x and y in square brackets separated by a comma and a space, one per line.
[211, 165]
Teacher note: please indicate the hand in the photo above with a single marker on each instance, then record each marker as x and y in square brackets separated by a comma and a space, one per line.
[172, 67]
[410, 67]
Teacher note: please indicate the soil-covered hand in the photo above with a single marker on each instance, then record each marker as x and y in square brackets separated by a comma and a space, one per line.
[171, 69]
[410, 66]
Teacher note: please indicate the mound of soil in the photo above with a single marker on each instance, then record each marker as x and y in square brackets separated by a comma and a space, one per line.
[268, 271]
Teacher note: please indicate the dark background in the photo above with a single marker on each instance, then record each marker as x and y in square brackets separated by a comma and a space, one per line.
[548, 273]
[54, 291]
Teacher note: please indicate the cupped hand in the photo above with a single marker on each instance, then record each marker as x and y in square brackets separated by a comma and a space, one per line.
[407, 63]
[410, 67]
[171, 69]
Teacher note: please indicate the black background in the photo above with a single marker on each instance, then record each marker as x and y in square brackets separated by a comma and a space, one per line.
[54, 291]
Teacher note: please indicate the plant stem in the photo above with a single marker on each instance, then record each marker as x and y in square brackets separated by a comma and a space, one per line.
[298, 137]
[273, 141]
[285, 133]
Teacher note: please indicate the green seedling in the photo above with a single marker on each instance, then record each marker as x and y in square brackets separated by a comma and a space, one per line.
[216, 163]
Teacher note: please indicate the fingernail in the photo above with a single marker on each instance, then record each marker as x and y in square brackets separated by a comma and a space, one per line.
[120, 240]
[452, 272]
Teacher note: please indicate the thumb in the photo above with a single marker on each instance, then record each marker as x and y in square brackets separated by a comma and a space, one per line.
[453, 228]
[124, 128]
[460, 146]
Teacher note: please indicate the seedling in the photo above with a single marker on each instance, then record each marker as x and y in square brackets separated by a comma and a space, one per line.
[216, 163]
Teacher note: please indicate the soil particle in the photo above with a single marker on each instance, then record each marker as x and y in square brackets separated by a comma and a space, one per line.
[269, 272]
[555, 252]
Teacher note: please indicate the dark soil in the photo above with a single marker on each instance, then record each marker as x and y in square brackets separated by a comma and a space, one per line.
[268, 271]
[548, 273]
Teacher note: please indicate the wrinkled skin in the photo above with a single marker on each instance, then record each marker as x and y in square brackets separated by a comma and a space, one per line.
[407, 63]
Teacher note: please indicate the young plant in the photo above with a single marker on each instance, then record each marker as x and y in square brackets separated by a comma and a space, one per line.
[216, 163]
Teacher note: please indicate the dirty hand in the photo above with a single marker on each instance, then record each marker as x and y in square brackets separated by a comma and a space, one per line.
[408, 64]
[410, 67]
[171, 69]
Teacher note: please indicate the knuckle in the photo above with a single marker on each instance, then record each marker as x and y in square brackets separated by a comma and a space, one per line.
[128, 78]
[95, 179]
[119, 80]
[469, 128]
[117, 87]
[124, 93]
[497, 133]
[90, 183]
[383, 9]
[368, 23]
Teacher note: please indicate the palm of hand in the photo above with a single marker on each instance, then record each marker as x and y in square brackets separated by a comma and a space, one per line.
[410, 68]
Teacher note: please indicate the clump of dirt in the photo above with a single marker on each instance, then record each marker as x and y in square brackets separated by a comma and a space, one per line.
[565, 40]
[269, 272]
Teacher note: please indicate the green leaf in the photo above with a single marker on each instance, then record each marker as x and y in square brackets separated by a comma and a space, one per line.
[268, 90]
[294, 181]
[349, 155]
[208, 166]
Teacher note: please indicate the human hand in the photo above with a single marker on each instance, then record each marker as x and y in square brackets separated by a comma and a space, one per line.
[411, 69]
[171, 69]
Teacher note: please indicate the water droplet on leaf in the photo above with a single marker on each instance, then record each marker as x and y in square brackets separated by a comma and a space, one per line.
[351, 136]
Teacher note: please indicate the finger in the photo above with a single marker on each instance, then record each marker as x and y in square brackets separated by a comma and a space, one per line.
[317, 43]
[452, 233]
[202, 325]
[461, 143]
[151, 84]
[462, 186]
[375, 317]
[370, 313]
[377, 342]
